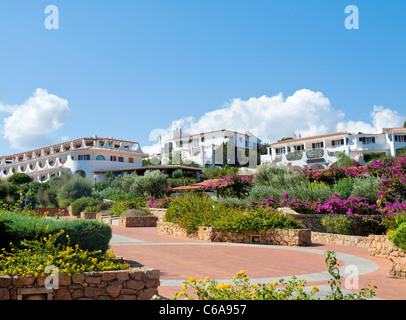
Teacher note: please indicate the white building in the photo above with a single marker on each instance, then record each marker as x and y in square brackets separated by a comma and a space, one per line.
[205, 148]
[81, 156]
[318, 152]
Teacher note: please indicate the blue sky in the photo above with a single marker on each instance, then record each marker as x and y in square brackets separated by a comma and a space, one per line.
[128, 67]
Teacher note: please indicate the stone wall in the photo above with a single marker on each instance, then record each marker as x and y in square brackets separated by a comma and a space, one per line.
[158, 212]
[340, 239]
[380, 246]
[314, 222]
[132, 222]
[287, 237]
[88, 215]
[133, 284]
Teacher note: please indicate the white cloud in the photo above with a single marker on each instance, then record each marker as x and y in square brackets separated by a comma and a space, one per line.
[30, 123]
[304, 113]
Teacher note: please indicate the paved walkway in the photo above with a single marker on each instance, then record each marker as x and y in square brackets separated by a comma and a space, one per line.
[178, 259]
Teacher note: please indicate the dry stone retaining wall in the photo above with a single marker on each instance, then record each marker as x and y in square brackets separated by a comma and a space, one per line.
[380, 246]
[288, 237]
[134, 284]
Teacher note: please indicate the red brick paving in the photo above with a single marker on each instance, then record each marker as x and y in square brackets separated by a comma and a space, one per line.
[181, 261]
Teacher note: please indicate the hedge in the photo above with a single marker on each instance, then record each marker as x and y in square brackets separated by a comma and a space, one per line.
[87, 234]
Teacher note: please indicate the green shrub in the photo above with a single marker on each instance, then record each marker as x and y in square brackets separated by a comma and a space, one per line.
[338, 224]
[152, 182]
[344, 187]
[398, 237]
[366, 187]
[79, 205]
[233, 202]
[118, 208]
[136, 203]
[19, 178]
[31, 258]
[75, 188]
[191, 211]
[88, 234]
[277, 176]
[177, 174]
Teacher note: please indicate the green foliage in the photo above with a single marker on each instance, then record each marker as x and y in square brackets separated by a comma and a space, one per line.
[31, 257]
[366, 187]
[190, 211]
[344, 187]
[210, 173]
[303, 190]
[153, 183]
[398, 237]
[79, 205]
[343, 160]
[233, 202]
[87, 234]
[335, 283]
[277, 176]
[134, 203]
[181, 182]
[19, 178]
[177, 174]
[338, 224]
[75, 188]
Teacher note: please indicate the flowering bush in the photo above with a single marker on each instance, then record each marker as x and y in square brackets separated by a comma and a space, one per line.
[158, 203]
[190, 211]
[242, 289]
[234, 185]
[31, 257]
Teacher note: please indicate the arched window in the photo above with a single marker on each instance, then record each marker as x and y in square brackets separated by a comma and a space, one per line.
[100, 158]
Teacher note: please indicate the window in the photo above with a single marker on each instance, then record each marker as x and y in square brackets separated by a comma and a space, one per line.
[113, 158]
[202, 139]
[120, 159]
[130, 160]
[100, 157]
[317, 145]
[401, 138]
[84, 157]
[280, 151]
[367, 140]
[337, 143]
[299, 148]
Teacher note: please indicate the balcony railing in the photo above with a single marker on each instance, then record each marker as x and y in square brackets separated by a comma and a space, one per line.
[315, 153]
[295, 156]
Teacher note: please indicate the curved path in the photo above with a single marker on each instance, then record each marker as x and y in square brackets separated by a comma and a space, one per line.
[178, 259]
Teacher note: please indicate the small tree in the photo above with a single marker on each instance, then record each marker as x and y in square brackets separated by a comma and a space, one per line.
[19, 178]
[75, 188]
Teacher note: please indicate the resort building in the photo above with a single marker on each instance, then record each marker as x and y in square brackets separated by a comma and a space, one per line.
[206, 148]
[81, 156]
[319, 152]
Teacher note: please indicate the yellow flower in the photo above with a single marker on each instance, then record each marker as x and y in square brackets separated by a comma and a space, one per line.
[241, 272]
[184, 287]
[199, 280]
[180, 294]
[206, 279]
[315, 288]
[191, 279]
[275, 283]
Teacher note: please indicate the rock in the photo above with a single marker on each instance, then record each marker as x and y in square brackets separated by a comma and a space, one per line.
[114, 290]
